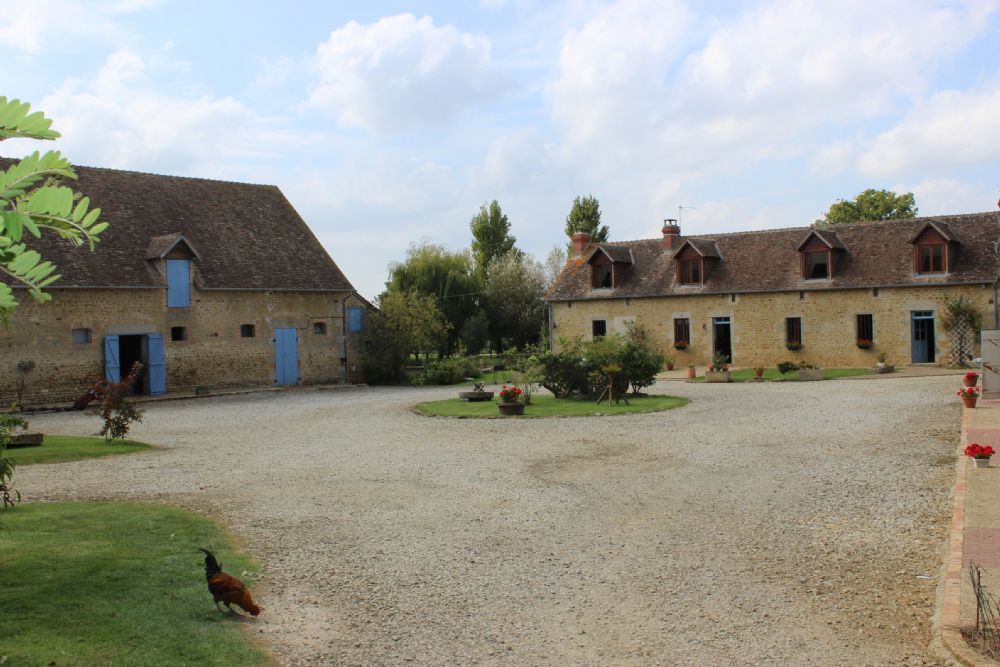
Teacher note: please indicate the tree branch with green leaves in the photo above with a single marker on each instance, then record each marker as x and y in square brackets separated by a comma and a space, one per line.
[33, 200]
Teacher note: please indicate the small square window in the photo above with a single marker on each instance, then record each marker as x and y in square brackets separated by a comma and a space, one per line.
[81, 336]
[817, 265]
[931, 258]
[319, 328]
[602, 276]
[599, 328]
[178, 333]
[247, 331]
[690, 272]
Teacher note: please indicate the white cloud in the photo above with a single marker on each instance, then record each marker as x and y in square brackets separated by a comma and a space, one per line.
[952, 129]
[943, 196]
[37, 26]
[120, 119]
[402, 72]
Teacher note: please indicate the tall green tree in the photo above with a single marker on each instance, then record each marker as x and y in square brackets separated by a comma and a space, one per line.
[32, 200]
[406, 323]
[871, 204]
[491, 237]
[585, 216]
[513, 300]
[446, 276]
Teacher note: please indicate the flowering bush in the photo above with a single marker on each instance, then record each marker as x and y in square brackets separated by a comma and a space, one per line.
[968, 392]
[972, 375]
[510, 394]
[979, 451]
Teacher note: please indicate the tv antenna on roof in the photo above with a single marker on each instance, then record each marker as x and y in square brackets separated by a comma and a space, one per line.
[680, 211]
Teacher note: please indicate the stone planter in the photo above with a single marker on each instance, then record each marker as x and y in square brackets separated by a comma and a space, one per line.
[717, 376]
[25, 440]
[475, 396]
[980, 463]
[810, 374]
[511, 409]
[879, 370]
[970, 382]
[970, 401]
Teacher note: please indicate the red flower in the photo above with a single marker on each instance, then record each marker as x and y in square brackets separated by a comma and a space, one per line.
[972, 375]
[978, 451]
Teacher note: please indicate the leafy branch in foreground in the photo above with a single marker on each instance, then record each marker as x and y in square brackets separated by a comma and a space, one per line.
[32, 200]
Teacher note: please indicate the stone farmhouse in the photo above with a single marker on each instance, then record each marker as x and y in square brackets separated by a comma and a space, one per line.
[834, 296]
[208, 284]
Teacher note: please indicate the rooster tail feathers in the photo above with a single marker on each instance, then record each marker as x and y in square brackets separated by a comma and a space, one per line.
[212, 566]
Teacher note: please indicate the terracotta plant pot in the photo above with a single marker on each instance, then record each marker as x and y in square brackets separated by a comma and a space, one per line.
[670, 367]
[511, 409]
[970, 401]
[970, 382]
[758, 373]
[691, 374]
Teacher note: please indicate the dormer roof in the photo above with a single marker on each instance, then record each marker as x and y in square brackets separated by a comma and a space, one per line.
[940, 227]
[704, 247]
[617, 254]
[828, 237]
[161, 246]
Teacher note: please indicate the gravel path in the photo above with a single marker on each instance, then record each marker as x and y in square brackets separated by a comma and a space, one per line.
[777, 523]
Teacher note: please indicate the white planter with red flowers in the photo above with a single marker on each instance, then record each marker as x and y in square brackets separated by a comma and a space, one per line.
[980, 455]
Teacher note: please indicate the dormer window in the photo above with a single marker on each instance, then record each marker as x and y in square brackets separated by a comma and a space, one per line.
[931, 258]
[935, 248]
[174, 254]
[690, 271]
[818, 265]
[819, 249]
[602, 276]
[608, 266]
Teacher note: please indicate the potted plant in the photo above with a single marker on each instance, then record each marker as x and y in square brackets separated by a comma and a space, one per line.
[510, 400]
[669, 361]
[969, 396]
[758, 373]
[881, 366]
[971, 379]
[980, 455]
[691, 373]
[681, 344]
[863, 343]
[718, 369]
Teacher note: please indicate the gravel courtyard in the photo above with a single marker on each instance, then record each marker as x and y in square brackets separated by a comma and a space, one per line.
[777, 523]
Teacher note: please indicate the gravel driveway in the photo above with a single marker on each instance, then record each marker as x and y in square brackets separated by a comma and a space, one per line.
[777, 523]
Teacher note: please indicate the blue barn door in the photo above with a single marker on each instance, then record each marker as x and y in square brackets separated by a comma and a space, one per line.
[157, 371]
[112, 367]
[286, 357]
[922, 345]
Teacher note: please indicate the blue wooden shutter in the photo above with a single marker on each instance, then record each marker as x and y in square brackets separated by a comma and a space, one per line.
[178, 283]
[354, 321]
[112, 367]
[157, 370]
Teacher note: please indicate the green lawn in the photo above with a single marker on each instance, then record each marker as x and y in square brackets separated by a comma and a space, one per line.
[62, 448]
[547, 406]
[107, 583]
[746, 374]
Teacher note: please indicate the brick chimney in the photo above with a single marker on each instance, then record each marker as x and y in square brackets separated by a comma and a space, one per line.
[580, 242]
[671, 232]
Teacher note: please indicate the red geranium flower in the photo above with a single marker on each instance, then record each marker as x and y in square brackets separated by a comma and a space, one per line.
[978, 451]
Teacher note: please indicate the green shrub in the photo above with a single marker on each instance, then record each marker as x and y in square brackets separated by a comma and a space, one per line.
[786, 367]
[580, 367]
[450, 370]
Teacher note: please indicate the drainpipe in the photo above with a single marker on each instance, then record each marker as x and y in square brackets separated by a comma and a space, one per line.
[552, 337]
[343, 340]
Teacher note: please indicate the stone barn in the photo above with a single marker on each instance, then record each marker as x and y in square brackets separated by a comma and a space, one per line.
[208, 284]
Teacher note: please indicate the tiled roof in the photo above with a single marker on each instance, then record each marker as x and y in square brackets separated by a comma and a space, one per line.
[827, 236]
[875, 254]
[704, 247]
[247, 236]
[617, 254]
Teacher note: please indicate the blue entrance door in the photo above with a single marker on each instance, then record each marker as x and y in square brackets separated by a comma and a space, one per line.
[923, 337]
[286, 357]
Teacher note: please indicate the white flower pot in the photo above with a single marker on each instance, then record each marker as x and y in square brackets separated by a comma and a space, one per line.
[981, 463]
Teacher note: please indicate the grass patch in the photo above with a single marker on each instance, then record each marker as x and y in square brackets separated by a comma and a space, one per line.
[103, 583]
[772, 374]
[62, 448]
[547, 406]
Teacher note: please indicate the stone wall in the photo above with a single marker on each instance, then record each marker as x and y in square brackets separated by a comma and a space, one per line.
[758, 322]
[214, 354]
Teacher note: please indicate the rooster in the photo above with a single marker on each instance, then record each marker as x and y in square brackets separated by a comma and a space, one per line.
[226, 588]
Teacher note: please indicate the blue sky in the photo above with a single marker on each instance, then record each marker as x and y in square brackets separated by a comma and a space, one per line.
[385, 123]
